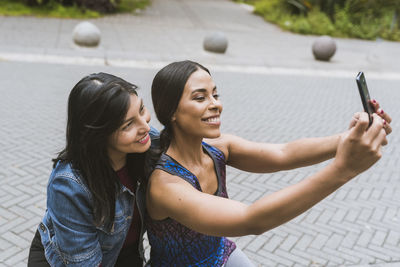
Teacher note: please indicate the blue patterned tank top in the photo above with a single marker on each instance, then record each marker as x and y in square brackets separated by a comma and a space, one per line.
[173, 244]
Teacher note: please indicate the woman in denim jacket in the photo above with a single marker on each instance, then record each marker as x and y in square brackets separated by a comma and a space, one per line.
[95, 194]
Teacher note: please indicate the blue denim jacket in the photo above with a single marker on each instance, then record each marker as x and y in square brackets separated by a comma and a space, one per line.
[68, 234]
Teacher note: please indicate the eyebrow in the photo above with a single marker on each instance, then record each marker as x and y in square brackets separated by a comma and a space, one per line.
[202, 90]
[132, 118]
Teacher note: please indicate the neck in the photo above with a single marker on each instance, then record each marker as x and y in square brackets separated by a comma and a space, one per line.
[186, 149]
[117, 160]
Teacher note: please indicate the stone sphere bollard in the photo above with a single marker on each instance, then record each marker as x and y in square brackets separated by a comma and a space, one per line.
[215, 42]
[324, 48]
[86, 34]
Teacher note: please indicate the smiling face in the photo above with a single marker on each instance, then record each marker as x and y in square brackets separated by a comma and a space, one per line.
[199, 109]
[133, 135]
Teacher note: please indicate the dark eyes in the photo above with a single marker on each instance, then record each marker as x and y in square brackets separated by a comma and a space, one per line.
[127, 125]
[131, 122]
[202, 98]
[142, 108]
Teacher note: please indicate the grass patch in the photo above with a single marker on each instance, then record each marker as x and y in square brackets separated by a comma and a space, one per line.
[56, 10]
[343, 23]
[129, 6]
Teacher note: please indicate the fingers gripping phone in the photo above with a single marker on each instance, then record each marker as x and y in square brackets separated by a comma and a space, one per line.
[364, 94]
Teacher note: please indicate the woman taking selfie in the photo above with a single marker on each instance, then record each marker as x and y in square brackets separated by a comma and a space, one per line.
[189, 213]
[95, 194]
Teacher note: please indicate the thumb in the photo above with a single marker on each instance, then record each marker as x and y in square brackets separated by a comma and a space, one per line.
[354, 119]
[361, 125]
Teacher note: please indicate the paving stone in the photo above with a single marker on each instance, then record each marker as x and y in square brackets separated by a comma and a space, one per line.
[6, 214]
[276, 259]
[332, 259]
[4, 244]
[7, 253]
[16, 259]
[272, 244]
[257, 243]
[243, 241]
[291, 257]
[22, 212]
[379, 238]
[364, 238]
[393, 238]
[11, 224]
[27, 225]
[15, 239]
[304, 242]
[319, 241]
[13, 201]
[288, 243]
[375, 254]
[315, 260]
[274, 108]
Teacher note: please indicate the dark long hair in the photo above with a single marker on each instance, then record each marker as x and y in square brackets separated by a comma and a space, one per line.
[166, 92]
[97, 107]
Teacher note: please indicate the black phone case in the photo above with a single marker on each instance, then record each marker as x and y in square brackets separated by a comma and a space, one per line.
[364, 94]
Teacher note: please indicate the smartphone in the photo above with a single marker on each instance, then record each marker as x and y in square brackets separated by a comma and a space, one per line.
[364, 94]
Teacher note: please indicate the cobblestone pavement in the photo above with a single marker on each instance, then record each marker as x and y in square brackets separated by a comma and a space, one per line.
[356, 226]
[272, 90]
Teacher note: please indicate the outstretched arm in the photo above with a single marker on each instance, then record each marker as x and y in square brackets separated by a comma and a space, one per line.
[264, 157]
[170, 196]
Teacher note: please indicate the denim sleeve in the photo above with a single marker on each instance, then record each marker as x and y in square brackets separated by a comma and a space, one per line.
[75, 234]
[155, 138]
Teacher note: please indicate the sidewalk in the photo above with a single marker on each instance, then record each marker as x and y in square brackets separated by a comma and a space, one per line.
[174, 30]
[272, 90]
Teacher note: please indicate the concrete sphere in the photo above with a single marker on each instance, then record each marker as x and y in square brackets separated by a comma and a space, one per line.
[215, 42]
[86, 34]
[324, 48]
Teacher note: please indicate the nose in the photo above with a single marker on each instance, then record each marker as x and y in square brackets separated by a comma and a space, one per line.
[144, 123]
[215, 104]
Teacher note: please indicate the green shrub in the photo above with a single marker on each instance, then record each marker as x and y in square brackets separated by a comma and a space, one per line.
[320, 23]
[68, 8]
[365, 19]
[270, 10]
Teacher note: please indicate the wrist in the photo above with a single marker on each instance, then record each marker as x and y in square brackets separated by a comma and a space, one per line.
[343, 173]
[339, 137]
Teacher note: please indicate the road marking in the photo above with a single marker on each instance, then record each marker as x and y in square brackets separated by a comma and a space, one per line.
[156, 65]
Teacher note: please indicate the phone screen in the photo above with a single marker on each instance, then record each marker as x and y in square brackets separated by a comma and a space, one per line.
[364, 94]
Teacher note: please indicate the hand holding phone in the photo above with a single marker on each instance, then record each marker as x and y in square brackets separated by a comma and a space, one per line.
[364, 94]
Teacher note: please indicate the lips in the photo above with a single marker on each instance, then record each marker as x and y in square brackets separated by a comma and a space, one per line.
[144, 139]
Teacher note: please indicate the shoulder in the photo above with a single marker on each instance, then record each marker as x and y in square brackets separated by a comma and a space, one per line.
[162, 178]
[68, 181]
[162, 192]
[223, 143]
[162, 183]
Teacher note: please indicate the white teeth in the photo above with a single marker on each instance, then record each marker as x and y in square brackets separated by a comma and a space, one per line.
[213, 119]
[144, 138]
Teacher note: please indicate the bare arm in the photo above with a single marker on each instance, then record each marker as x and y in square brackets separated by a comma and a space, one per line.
[212, 215]
[265, 157]
[170, 196]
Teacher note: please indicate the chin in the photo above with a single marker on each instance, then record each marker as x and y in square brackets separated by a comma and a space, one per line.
[141, 149]
[212, 135]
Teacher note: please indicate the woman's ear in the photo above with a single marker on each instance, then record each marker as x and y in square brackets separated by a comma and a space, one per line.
[173, 118]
